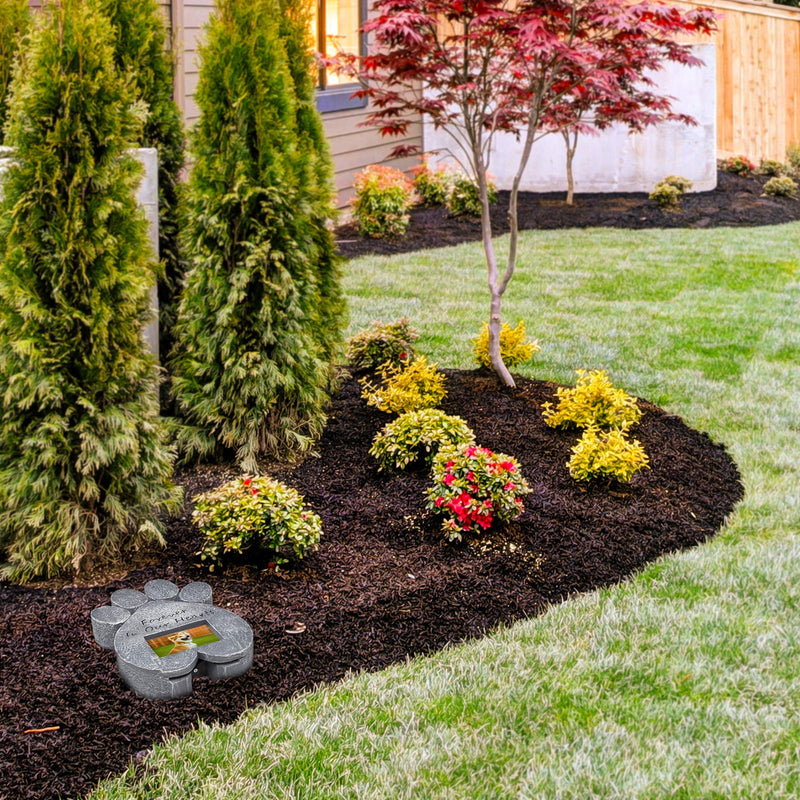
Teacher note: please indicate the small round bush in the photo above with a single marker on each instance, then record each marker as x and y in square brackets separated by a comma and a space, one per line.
[382, 343]
[417, 436]
[607, 454]
[406, 388]
[384, 197]
[515, 347]
[771, 167]
[679, 182]
[666, 196]
[594, 402]
[254, 512]
[738, 165]
[782, 186]
[465, 198]
[432, 185]
[474, 489]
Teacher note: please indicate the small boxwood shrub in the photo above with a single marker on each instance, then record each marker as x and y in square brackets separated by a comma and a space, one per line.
[406, 388]
[739, 165]
[607, 454]
[254, 512]
[384, 197]
[782, 186]
[417, 436]
[669, 191]
[515, 347]
[770, 167]
[465, 199]
[432, 185]
[382, 343]
[593, 402]
[474, 489]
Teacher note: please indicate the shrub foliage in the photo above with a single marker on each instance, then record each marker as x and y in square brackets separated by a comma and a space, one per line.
[780, 186]
[140, 53]
[515, 347]
[383, 343]
[384, 197]
[417, 436]
[254, 512]
[15, 22]
[83, 468]
[607, 454]
[407, 388]
[260, 317]
[594, 401]
[474, 488]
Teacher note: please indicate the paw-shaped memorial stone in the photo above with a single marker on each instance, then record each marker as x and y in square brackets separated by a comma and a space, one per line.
[164, 637]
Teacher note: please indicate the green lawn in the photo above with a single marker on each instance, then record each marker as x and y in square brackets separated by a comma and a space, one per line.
[684, 682]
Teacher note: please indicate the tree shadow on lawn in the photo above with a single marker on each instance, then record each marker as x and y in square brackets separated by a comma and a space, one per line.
[384, 584]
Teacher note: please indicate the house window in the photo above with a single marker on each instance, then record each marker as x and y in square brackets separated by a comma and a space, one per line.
[336, 28]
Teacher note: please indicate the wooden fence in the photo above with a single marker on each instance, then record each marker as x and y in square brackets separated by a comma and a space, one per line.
[758, 77]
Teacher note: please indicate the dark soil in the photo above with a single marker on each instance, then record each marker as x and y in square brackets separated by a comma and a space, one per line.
[737, 201]
[384, 584]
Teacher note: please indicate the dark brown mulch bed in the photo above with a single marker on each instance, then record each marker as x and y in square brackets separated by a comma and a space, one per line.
[383, 585]
[737, 201]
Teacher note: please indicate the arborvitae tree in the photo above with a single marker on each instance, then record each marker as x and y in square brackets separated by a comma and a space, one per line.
[83, 465]
[140, 51]
[250, 370]
[15, 21]
[317, 172]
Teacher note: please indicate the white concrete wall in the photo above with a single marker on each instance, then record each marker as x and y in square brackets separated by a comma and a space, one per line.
[616, 160]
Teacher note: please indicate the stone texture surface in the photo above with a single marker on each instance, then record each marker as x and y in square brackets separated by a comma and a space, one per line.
[163, 612]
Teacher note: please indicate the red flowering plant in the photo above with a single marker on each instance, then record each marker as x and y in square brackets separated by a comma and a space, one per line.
[254, 513]
[474, 488]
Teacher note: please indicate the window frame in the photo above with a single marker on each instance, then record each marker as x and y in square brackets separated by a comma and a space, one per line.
[338, 97]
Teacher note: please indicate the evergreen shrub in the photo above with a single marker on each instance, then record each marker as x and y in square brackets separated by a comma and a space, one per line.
[84, 471]
[474, 489]
[780, 186]
[464, 199]
[432, 184]
[15, 22]
[254, 513]
[607, 454]
[260, 317]
[594, 401]
[140, 53]
[406, 388]
[515, 346]
[417, 436]
[382, 343]
[770, 167]
[384, 196]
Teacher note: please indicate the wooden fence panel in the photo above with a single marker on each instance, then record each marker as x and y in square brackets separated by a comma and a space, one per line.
[758, 77]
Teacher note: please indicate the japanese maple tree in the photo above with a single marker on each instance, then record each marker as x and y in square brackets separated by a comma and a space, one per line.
[482, 67]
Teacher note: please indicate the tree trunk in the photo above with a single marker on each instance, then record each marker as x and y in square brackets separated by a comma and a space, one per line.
[571, 146]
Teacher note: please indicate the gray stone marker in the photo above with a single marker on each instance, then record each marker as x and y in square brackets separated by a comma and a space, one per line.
[163, 637]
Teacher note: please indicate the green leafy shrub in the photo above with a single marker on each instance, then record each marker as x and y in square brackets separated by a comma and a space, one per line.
[141, 53]
[465, 199]
[383, 199]
[669, 191]
[515, 347]
[15, 22]
[607, 454]
[406, 388]
[254, 512]
[382, 343]
[418, 436]
[84, 469]
[252, 365]
[432, 185]
[771, 167]
[782, 186]
[474, 488]
[793, 157]
[594, 401]
[739, 165]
